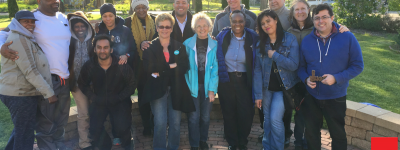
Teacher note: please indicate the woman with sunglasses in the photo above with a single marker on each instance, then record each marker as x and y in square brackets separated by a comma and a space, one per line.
[165, 63]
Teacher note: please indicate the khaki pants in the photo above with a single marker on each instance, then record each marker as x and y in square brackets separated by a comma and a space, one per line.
[82, 103]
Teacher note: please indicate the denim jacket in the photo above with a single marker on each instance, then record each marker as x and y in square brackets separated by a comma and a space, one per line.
[287, 61]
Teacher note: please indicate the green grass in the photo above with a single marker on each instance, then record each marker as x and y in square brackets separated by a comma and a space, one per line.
[21, 6]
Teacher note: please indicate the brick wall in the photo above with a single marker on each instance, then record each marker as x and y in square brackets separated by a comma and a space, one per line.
[362, 122]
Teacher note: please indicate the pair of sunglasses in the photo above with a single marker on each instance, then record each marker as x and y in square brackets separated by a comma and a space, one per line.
[166, 27]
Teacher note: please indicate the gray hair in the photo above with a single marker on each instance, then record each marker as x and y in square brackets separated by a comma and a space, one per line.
[197, 17]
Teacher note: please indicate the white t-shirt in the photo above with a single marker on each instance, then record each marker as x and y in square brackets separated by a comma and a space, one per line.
[53, 36]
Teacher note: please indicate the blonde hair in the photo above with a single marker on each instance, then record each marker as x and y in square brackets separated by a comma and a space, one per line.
[165, 16]
[197, 17]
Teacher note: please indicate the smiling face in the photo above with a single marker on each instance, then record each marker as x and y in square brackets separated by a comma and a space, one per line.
[28, 24]
[141, 11]
[80, 30]
[164, 32]
[103, 49]
[234, 4]
[109, 19]
[202, 28]
[323, 22]
[181, 7]
[237, 23]
[269, 25]
[301, 12]
[276, 4]
[48, 6]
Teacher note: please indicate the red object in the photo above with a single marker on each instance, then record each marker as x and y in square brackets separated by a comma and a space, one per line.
[384, 143]
[166, 55]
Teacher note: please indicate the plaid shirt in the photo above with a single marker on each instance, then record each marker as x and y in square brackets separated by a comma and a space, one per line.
[324, 39]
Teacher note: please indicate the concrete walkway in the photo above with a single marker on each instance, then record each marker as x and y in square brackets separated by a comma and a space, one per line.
[216, 139]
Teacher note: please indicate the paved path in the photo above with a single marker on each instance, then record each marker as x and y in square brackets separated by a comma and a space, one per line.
[216, 139]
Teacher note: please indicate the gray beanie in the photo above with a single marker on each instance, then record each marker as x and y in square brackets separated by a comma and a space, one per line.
[138, 2]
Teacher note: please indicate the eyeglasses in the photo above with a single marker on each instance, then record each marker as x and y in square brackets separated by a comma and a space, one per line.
[202, 27]
[323, 18]
[166, 27]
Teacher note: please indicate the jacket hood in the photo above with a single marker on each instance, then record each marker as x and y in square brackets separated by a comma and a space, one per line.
[228, 8]
[334, 34]
[80, 15]
[16, 26]
[119, 24]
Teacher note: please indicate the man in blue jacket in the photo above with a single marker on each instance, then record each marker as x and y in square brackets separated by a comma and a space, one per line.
[336, 58]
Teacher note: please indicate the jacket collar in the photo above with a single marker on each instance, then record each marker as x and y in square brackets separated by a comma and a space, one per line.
[192, 43]
[119, 24]
[333, 34]
[280, 10]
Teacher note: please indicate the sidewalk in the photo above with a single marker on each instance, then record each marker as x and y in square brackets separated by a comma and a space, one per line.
[216, 139]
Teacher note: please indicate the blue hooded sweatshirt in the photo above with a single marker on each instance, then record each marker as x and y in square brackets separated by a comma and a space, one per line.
[341, 57]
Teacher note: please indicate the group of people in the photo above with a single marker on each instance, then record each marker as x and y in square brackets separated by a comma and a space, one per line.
[177, 67]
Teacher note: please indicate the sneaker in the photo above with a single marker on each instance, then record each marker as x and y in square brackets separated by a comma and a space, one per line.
[116, 141]
[203, 145]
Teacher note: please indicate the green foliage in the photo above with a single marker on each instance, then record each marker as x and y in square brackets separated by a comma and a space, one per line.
[390, 24]
[110, 1]
[353, 12]
[224, 4]
[373, 23]
[199, 5]
[12, 8]
[246, 4]
[394, 5]
[398, 37]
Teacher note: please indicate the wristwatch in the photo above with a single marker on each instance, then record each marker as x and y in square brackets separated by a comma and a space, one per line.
[128, 55]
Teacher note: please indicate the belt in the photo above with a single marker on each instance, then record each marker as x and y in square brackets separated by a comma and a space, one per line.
[237, 74]
[62, 80]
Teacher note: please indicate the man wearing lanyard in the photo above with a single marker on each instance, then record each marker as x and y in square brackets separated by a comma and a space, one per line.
[53, 36]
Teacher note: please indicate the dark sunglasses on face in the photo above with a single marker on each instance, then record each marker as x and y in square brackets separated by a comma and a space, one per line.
[166, 27]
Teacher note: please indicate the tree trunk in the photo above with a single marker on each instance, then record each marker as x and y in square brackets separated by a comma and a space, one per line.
[99, 3]
[199, 6]
[224, 4]
[246, 4]
[130, 9]
[194, 4]
[62, 7]
[263, 4]
[12, 8]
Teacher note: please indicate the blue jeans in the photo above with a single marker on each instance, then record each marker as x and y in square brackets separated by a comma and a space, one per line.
[274, 130]
[199, 120]
[163, 114]
[299, 129]
[23, 115]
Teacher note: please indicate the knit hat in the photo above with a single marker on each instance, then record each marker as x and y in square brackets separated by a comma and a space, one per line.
[107, 7]
[138, 2]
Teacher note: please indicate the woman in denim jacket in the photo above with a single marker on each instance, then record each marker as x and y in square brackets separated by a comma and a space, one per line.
[279, 48]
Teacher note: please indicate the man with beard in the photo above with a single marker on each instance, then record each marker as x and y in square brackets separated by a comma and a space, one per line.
[53, 35]
[108, 85]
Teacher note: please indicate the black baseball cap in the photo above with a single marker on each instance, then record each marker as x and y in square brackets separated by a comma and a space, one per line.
[23, 14]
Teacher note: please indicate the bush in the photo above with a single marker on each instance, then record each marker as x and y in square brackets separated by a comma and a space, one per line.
[394, 5]
[391, 25]
[352, 12]
[398, 37]
[373, 23]
[30, 2]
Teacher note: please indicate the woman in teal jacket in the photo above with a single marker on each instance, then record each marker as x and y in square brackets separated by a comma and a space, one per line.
[202, 79]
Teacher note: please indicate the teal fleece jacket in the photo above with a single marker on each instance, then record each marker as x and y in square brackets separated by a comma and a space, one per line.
[211, 75]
